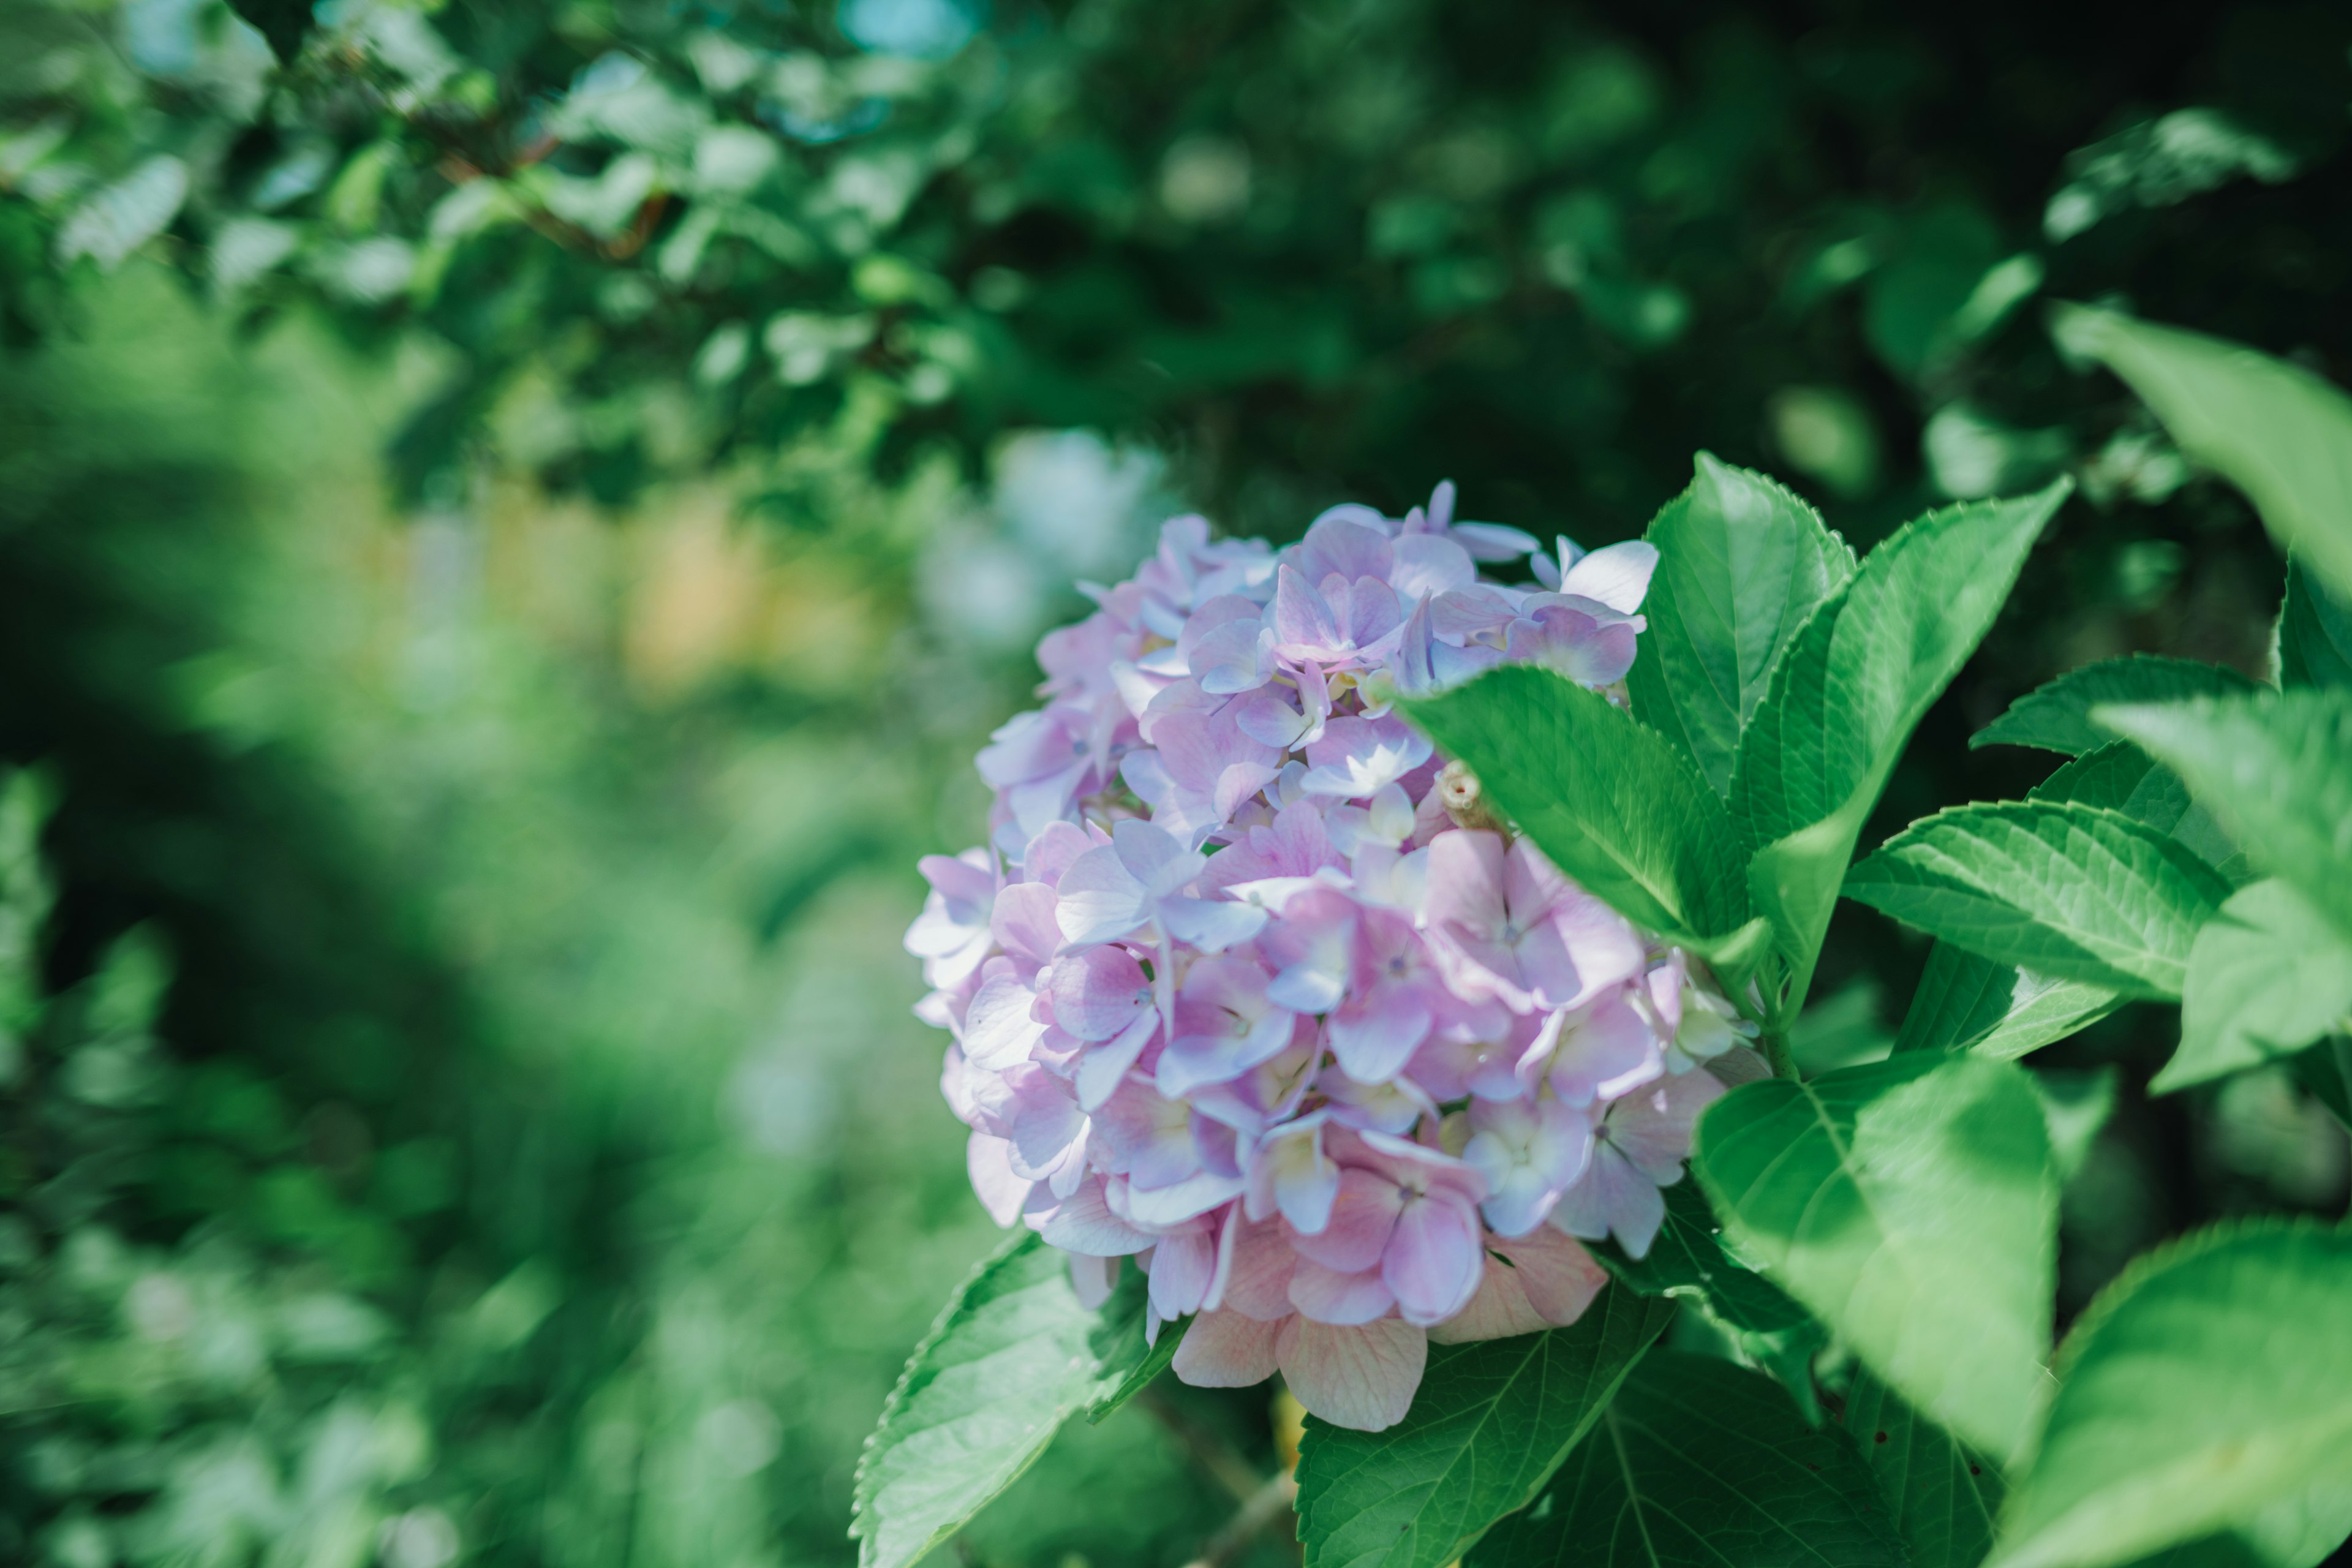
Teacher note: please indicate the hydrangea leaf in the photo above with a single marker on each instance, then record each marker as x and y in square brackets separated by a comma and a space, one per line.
[1912, 1205]
[1943, 1496]
[2206, 1388]
[1490, 1422]
[1128, 1364]
[2119, 776]
[1609, 799]
[2325, 1069]
[2279, 433]
[1849, 689]
[2056, 717]
[1697, 1464]
[1012, 1355]
[2267, 976]
[1967, 1003]
[1742, 561]
[1686, 1259]
[2276, 768]
[2314, 634]
[2055, 888]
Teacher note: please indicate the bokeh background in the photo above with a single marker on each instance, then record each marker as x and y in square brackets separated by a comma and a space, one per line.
[515, 516]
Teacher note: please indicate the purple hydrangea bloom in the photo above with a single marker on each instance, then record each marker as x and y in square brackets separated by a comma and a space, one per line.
[1235, 997]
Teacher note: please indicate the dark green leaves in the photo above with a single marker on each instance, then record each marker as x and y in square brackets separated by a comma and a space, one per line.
[1968, 1003]
[2057, 717]
[1742, 561]
[1490, 1422]
[2276, 431]
[1012, 1357]
[2277, 770]
[2314, 634]
[1944, 1497]
[1912, 1205]
[1850, 688]
[1611, 800]
[2209, 1386]
[1701, 1464]
[2267, 977]
[2059, 889]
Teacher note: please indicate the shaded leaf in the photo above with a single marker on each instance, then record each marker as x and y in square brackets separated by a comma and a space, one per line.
[2279, 433]
[2056, 889]
[1943, 1496]
[1609, 799]
[1685, 1258]
[1846, 695]
[2314, 634]
[2276, 769]
[1742, 561]
[1700, 1464]
[2209, 1383]
[1491, 1422]
[2267, 977]
[2325, 1069]
[2056, 716]
[1912, 1205]
[1967, 1003]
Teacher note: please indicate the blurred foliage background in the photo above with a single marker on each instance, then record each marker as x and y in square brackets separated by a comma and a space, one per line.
[514, 518]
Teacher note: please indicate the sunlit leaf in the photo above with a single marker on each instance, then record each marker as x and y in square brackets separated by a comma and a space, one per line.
[1490, 1422]
[1847, 694]
[2276, 431]
[1702, 1464]
[2212, 1381]
[1912, 1205]
[2054, 888]
[1742, 561]
[2056, 717]
[1609, 799]
[2267, 977]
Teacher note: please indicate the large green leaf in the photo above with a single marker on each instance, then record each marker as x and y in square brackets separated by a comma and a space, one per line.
[1491, 1422]
[2210, 1385]
[1613, 802]
[2276, 431]
[2276, 768]
[1685, 1258]
[1702, 1464]
[2325, 1069]
[2119, 776]
[2054, 888]
[1967, 1003]
[1912, 1205]
[2314, 634]
[2056, 717]
[1742, 561]
[2267, 977]
[1847, 694]
[1013, 1356]
[1943, 1496]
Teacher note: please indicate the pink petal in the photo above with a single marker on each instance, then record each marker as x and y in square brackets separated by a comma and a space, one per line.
[1375, 1035]
[1182, 1267]
[1096, 995]
[1560, 1279]
[1227, 1350]
[999, 1031]
[1328, 1295]
[1362, 1378]
[1617, 575]
[1258, 1281]
[1465, 884]
[988, 1161]
[1363, 1216]
[1606, 1051]
[1433, 1261]
[1612, 1197]
[1082, 1223]
[1094, 1279]
[1499, 1310]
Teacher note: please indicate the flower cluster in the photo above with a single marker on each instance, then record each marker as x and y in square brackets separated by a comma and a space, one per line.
[1250, 987]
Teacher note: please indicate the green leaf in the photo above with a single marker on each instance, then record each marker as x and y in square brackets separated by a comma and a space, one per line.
[1943, 1496]
[2325, 1069]
[1128, 1364]
[1912, 1205]
[2279, 433]
[2054, 887]
[1611, 800]
[2210, 1383]
[2076, 1106]
[2119, 776]
[1491, 1422]
[2276, 768]
[1685, 1258]
[2314, 634]
[2267, 976]
[2056, 717]
[1012, 1355]
[1702, 1464]
[1966, 1002]
[1742, 561]
[1846, 695]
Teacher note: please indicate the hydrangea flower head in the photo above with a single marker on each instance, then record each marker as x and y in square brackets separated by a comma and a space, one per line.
[1248, 988]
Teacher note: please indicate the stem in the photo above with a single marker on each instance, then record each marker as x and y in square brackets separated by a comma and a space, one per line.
[1776, 1052]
